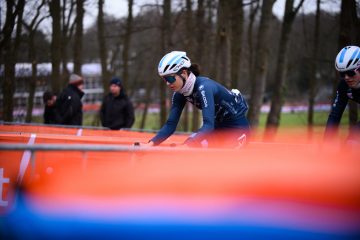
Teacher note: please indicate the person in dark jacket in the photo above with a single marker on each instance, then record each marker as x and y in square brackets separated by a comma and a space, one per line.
[117, 110]
[68, 104]
[50, 114]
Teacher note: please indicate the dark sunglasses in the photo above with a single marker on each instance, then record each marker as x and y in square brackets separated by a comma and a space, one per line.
[349, 73]
[169, 78]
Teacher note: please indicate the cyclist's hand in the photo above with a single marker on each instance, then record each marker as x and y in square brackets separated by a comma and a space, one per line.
[149, 144]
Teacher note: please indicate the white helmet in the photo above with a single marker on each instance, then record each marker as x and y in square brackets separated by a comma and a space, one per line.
[348, 59]
[172, 63]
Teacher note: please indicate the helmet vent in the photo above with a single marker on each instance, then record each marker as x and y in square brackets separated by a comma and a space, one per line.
[167, 66]
[349, 63]
[172, 66]
[356, 60]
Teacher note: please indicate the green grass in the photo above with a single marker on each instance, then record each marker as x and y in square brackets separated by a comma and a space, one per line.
[288, 120]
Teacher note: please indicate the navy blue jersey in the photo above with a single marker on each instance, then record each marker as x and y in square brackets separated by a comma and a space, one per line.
[221, 109]
[343, 94]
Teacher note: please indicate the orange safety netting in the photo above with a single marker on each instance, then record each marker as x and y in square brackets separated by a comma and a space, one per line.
[290, 170]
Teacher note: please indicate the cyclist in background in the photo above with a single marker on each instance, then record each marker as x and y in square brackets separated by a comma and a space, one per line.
[347, 63]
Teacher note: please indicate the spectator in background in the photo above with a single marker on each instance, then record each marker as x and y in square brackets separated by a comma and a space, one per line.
[50, 114]
[117, 110]
[68, 104]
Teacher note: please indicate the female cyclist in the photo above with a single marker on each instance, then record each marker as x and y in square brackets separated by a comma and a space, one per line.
[223, 111]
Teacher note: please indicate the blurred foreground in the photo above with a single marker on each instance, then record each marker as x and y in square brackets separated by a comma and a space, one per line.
[100, 186]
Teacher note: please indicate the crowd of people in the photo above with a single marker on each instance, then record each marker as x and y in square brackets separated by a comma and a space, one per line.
[66, 109]
[223, 110]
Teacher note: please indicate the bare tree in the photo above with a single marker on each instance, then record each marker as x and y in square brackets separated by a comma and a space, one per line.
[67, 30]
[221, 46]
[208, 42]
[78, 35]
[261, 63]
[55, 13]
[165, 43]
[313, 68]
[277, 100]
[237, 22]
[146, 104]
[14, 14]
[349, 27]
[254, 7]
[32, 29]
[189, 43]
[127, 40]
[102, 45]
[10, 21]
[199, 52]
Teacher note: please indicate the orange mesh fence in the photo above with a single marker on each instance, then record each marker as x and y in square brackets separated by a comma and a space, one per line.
[282, 176]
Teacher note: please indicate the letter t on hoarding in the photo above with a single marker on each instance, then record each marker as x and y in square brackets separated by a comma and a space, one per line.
[3, 180]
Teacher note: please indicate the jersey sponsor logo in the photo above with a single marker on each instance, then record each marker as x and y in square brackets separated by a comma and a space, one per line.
[177, 68]
[336, 99]
[173, 98]
[204, 98]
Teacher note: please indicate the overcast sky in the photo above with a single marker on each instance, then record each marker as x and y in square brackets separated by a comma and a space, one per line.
[118, 8]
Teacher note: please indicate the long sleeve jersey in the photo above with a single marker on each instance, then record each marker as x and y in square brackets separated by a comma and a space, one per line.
[343, 94]
[220, 108]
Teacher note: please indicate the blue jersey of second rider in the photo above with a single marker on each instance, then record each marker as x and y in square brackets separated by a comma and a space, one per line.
[220, 108]
[343, 94]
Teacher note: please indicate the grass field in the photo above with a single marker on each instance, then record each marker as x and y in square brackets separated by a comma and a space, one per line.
[298, 119]
[288, 120]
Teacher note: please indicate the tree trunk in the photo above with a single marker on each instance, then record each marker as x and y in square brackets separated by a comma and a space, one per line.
[67, 32]
[166, 43]
[10, 53]
[253, 12]
[8, 28]
[102, 47]
[347, 36]
[55, 11]
[78, 36]
[261, 63]
[189, 43]
[199, 53]
[237, 22]
[5, 47]
[277, 100]
[313, 69]
[207, 49]
[32, 57]
[32, 88]
[127, 40]
[149, 88]
[8, 86]
[221, 46]
[32, 83]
